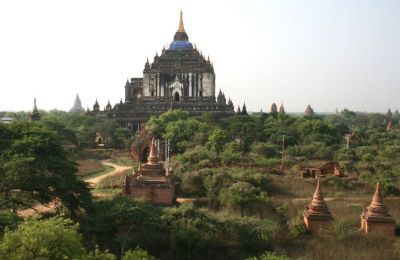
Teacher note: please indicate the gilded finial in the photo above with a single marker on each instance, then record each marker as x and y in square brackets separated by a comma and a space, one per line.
[181, 28]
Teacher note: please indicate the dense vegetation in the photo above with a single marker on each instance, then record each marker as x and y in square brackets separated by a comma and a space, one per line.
[228, 168]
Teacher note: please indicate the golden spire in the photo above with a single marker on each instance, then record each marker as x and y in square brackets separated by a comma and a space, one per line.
[181, 28]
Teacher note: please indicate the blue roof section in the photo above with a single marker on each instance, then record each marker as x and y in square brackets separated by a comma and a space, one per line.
[180, 45]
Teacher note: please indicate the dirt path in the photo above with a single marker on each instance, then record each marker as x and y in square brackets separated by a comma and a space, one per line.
[92, 182]
[117, 169]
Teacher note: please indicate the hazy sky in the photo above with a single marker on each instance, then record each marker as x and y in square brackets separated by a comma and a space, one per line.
[330, 54]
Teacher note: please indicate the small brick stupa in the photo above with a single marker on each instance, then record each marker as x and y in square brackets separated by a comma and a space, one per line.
[376, 216]
[151, 181]
[317, 214]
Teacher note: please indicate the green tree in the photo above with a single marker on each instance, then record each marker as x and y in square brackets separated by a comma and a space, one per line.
[99, 255]
[245, 129]
[269, 256]
[181, 133]
[54, 238]
[217, 139]
[159, 124]
[214, 184]
[34, 168]
[241, 194]
[138, 254]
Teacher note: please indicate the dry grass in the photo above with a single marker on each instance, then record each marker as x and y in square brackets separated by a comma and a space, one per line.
[88, 167]
[114, 181]
[356, 246]
[291, 193]
[295, 186]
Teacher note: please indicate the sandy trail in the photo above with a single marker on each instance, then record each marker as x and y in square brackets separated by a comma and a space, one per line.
[117, 169]
[40, 208]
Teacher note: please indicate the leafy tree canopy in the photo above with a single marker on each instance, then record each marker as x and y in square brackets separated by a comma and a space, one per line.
[34, 168]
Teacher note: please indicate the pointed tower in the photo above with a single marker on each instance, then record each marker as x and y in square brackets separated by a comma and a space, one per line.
[309, 111]
[108, 106]
[376, 216]
[35, 115]
[219, 97]
[396, 114]
[181, 28]
[151, 181]
[317, 214]
[244, 110]
[281, 109]
[230, 105]
[153, 155]
[146, 66]
[239, 112]
[96, 106]
[274, 109]
[77, 108]
[389, 114]
[181, 39]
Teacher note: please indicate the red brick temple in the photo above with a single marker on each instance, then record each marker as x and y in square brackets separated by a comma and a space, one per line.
[317, 214]
[376, 216]
[151, 181]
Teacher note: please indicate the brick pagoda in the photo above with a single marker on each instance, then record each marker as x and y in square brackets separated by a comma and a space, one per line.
[376, 216]
[151, 181]
[317, 214]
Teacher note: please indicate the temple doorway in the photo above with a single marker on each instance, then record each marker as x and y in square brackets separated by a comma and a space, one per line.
[145, 154]
[176, 97]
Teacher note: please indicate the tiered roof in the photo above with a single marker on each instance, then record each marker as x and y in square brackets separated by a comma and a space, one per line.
[35, 115]
[377, 211]
[317, 209]
[309, 111]
[77, 108]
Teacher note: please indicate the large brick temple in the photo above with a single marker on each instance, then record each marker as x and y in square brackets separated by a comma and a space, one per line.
[179, 78]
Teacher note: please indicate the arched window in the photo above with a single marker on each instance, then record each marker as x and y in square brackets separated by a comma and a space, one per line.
[201, 93]
[152, 93]
[176, 97]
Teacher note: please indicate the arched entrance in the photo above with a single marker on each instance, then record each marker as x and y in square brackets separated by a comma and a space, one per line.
[145, 154]
[176, 97]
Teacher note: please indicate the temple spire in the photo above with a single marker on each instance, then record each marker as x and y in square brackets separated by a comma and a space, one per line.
[34, 105]
[153, 156]
[376, 216]
[377, 201]
[316, 214]
[318, 198]
[181, 28]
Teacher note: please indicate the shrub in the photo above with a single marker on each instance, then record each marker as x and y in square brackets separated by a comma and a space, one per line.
[398, 249]
[192, 184]
[54, 238]
[137, 254]
[266, 149]
[340, 229]
[269, 256]
[296, 226]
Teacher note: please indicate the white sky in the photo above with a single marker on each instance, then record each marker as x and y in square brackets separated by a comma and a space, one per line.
[331, 54]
